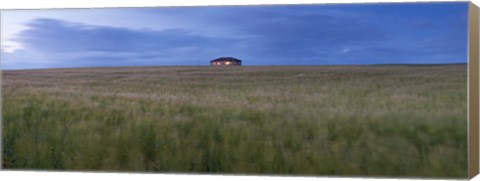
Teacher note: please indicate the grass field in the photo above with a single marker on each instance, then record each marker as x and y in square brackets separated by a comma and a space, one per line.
[314, 120]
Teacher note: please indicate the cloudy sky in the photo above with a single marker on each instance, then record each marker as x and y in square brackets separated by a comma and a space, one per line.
[259, 35]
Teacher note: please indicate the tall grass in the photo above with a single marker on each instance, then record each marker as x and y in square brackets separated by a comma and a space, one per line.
[339, 120]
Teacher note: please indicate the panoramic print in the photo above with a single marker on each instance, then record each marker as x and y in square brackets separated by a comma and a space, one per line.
[374, 90]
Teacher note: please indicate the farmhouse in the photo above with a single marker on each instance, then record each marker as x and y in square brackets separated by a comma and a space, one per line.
[226, 61]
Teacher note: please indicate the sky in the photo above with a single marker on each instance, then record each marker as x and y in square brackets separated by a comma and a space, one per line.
[384, 33]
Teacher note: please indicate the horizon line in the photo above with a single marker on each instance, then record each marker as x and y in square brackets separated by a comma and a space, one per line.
[271, 65]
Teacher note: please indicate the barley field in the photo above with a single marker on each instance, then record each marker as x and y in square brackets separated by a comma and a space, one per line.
[384, 120]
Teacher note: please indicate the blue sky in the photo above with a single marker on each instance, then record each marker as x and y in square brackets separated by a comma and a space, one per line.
[259, 35]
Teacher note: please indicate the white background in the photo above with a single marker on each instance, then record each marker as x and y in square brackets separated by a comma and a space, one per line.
[52, 176]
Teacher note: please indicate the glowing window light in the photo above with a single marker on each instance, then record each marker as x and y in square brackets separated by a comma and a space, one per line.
[227, 63]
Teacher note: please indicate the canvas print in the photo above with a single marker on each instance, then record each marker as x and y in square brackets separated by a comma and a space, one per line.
[377, 90]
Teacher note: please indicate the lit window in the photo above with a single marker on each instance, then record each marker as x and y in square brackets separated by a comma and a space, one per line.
[228, 63]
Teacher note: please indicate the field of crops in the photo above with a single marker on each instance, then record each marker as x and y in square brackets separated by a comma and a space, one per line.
[389, 120]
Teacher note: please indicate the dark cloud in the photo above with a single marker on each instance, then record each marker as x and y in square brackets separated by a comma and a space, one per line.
[51, 35]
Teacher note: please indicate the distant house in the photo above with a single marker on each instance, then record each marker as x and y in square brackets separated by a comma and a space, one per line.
[226, 61]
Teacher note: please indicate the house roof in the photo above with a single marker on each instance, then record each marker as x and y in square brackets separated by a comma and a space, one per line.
[226, 59]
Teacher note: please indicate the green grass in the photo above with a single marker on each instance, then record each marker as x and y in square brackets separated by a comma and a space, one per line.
[402, 121]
